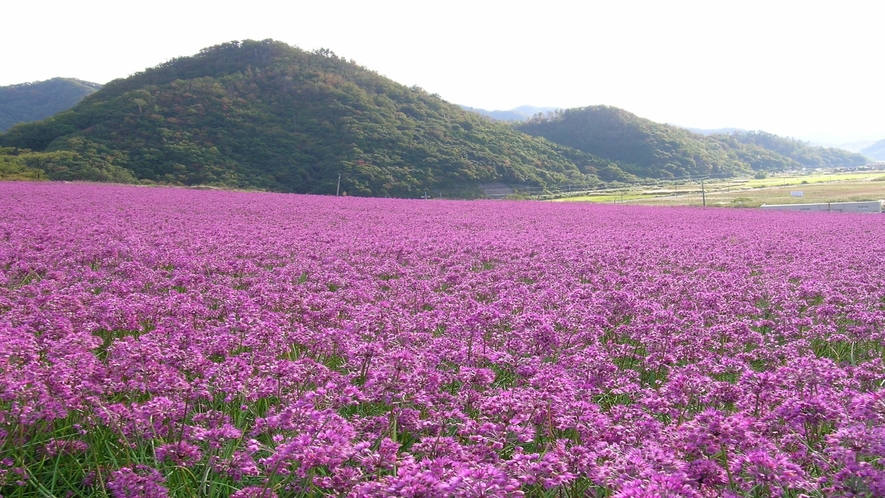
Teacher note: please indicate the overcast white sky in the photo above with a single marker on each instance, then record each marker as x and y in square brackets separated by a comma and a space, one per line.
[794, 68]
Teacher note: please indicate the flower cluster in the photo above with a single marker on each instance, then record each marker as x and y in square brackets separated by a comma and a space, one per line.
[172, 342]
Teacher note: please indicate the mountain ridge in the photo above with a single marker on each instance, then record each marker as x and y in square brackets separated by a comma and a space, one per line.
[33, 101]
[648, 149]
[262, 114]
[268, 116]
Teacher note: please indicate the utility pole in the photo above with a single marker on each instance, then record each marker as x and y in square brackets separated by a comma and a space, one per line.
[338, 188]
[703, 193]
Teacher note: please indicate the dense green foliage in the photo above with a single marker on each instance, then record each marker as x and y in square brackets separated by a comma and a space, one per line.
[875, 151]
[35, 101]
[262, 114]
[642, 147]
[758, 158]
[13, 166]
[652, 150]
[85, 161]
[800, 152]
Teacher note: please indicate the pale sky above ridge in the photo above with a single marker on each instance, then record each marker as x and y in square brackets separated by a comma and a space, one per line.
[794, 68]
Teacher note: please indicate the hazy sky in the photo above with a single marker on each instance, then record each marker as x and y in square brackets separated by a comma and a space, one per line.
[794, 68]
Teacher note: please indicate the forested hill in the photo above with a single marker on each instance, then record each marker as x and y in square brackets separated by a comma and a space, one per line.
[653, 150]
[800, 152]
[38, 100]
[262, 114]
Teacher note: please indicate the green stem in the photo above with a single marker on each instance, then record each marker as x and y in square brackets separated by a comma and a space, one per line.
[727, 467]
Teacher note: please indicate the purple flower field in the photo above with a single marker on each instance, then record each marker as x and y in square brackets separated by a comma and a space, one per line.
[169, 342]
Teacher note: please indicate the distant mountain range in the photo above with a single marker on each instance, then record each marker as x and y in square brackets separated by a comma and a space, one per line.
[520, 113]
[265, 115]
[875, 151]
[869, 148]
[717, 131]
[27, 102]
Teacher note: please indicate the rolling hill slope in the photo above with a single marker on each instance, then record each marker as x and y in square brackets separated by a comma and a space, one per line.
[264, 115]
[652, 150]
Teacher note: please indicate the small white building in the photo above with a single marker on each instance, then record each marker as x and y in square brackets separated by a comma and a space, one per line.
[835, 207]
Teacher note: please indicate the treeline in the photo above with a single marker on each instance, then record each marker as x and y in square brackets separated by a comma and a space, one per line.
[86, 162]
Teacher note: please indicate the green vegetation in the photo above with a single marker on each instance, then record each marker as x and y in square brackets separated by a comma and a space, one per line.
[85, 161]
[35, 101]
[651, 150]
[798, 154]
[264, 115]
[640, 147]
[14, 166]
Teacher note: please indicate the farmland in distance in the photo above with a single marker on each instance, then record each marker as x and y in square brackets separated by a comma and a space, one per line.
[838, 187]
